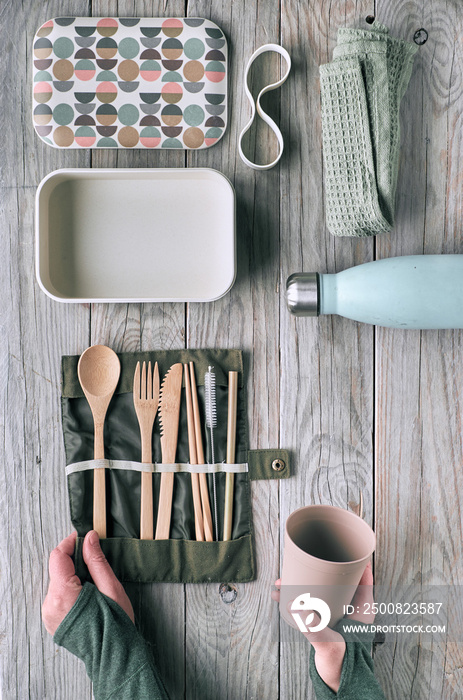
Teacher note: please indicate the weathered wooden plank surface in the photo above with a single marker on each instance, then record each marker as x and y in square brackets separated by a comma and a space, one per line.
[35, 332]
[419, 374]
[234, 651]
[327, 369]
[362, 410]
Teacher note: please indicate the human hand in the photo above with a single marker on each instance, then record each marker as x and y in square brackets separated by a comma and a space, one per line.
[329, 645]
[65, 585]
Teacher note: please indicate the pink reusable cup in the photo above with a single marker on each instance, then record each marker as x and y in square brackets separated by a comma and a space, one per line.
[326, 550]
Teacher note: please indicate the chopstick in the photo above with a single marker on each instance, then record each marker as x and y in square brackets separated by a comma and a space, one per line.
[193, 459]
[207, 517]
[231, 446]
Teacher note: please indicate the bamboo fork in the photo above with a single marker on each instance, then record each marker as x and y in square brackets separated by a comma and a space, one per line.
[199, 528]
[231, 444]
[146, 400]
[207, 517]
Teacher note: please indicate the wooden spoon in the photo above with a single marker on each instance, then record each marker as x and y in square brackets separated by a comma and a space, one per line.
[98, 371]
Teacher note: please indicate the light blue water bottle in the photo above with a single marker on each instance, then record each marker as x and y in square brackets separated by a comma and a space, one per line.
[414, 291]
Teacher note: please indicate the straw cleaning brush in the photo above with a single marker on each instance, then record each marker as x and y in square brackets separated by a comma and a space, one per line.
[211, 423]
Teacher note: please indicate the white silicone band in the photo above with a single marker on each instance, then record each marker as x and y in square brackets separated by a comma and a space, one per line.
[257, 106]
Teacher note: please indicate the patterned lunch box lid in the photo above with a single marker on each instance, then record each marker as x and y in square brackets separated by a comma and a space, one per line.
[130, 82]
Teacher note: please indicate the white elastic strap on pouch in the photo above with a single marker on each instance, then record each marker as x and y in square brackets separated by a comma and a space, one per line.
[262, 114]
[126, 465]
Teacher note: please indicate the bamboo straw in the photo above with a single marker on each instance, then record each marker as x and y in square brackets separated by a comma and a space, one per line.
[231, 445]
[193, 459]
[207, 517]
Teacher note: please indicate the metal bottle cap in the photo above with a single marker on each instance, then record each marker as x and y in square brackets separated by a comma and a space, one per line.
[302, 294]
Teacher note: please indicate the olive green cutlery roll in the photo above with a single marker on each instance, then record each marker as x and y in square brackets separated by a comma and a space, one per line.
[175, 561]
[180, 558]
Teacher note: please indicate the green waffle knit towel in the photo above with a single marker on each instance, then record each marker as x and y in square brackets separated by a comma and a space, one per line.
[361, 92]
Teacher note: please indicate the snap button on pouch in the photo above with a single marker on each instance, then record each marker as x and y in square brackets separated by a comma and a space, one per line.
[278, 465]
[268, 120]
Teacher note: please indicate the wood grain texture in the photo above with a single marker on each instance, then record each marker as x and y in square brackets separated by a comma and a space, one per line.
[361, 410]
[419, 374]
[35, 333]
[232, 647]
[327, 371]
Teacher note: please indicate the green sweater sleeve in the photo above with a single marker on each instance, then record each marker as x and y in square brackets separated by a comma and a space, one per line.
[115, 655]
[358, 681]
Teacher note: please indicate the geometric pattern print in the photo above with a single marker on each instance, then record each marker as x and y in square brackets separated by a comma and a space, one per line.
[130, 83]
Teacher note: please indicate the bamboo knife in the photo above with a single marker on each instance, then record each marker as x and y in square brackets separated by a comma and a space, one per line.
[169, 413]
